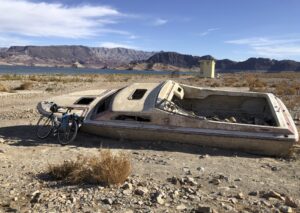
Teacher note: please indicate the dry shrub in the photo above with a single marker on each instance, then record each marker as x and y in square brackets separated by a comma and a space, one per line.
[228, 82]
[283, 88]
[24, 86]
[49, 89]
[3, 88]
[107, 168]
[215, 84]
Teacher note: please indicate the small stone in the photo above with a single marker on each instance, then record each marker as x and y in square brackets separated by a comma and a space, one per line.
[253, 193]
[273, 194]
[232, 119]
[15, 199]
[158, 197]
[187, 171]
[204, 209]
[215, 181]
[127, 186]
[173, 180]
[201, 169]
[2, 140]
[36, 197]
[181, 207]
[286, 209]
[107, 201]
[2, 151]
[240, 196]
[233, 200]
[127, 192]
[203, 156]
[291, 202]
[141, 191]
[160, 200]
[192, 181]
[175, 194]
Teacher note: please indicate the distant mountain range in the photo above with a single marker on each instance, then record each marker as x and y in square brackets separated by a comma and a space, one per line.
[122, 58]
[66, 56]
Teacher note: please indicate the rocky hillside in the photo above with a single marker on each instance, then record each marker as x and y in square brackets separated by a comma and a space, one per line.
[70, 55]
[122, 58]
[182, 62]
[2, 49]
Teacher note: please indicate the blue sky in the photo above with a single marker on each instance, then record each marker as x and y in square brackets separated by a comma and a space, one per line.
[235, 29]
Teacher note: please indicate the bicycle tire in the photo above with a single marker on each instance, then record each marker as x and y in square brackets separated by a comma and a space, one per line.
[44, 127]
[63, 134]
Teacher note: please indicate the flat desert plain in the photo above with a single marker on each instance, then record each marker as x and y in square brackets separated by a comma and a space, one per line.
[165, 177]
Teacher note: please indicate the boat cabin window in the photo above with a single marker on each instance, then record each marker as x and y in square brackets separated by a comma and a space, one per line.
[138, 94]
[132, 118]
[84, 101]
[104, 105]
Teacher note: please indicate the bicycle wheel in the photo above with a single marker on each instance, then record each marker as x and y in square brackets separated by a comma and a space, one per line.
[44, 127]
[67, 133]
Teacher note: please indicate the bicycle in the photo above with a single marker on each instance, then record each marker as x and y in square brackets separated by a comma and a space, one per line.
[65, 128]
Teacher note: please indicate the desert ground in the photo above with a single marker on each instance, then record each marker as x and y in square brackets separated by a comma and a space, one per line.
[165, 177]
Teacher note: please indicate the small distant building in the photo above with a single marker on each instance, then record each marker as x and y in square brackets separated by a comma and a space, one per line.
[207, 68]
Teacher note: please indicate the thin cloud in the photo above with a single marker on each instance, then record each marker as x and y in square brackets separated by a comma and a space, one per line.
[270, 47]
[115, 45]
[160, 21]
[54, 20]
[6, 41]
[208, 31]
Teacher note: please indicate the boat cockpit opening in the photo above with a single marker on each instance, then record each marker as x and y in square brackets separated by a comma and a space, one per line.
[215, 106]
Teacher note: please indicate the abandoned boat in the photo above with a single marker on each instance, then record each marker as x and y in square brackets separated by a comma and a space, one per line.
[253, 122]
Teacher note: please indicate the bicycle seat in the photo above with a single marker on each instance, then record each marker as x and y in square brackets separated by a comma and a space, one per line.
[54, 108]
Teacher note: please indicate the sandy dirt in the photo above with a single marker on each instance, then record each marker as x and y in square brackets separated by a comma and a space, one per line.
[166, 177]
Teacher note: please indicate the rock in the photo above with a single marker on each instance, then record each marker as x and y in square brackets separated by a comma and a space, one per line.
[181, 207]
[141, 191]
[233, 200]
[240, 196]
[108, 201]
[187, 171]
[158, 197]
[253, 193]
[203, 156]
[127, 192]
[175, 194]
[227, 207]
[273, 194]
[2, 140]
[286, 209]
[36, 197]
[127, 186]
[291, 202]
[204, 209]
[2, 151]
[173, 180]
[192, 181]
[232, 119]
[266, 203]
[201, 169]
[215, 181]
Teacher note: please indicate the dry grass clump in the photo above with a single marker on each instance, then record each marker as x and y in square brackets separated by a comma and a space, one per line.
[107, 168]
[10, 77]
[3, 88]
[284, 88]
[24, 86]
[215, 84]
[229, 81]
